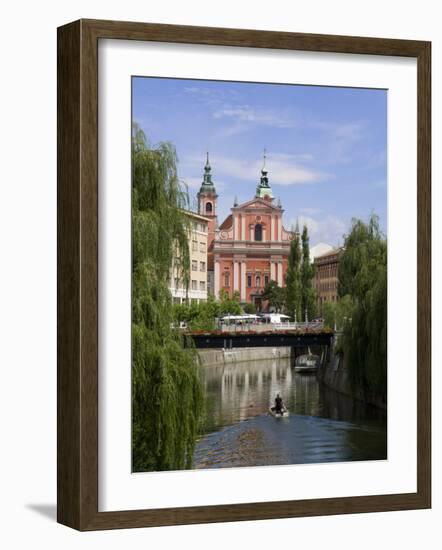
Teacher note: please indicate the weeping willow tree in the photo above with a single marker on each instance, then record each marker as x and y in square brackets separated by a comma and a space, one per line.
[167, 394]
[362, 280]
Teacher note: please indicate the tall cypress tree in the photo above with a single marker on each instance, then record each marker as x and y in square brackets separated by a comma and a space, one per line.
[167, 396]
[308, 299]
[293, 280]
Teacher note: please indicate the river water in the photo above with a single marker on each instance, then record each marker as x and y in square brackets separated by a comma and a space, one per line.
[323, 426]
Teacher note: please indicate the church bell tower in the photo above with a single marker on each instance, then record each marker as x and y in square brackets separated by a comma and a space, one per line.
[207, 201]
[263, 190]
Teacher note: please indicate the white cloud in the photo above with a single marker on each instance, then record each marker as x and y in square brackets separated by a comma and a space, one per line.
[340, 138]
[328, 229]
[310, 211]
[246, 113]
[192, 182]
[283, 169]
[352, 131]
[216, 98]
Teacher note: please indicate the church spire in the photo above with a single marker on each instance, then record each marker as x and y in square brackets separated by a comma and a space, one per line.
[264, 189]
[207, 183]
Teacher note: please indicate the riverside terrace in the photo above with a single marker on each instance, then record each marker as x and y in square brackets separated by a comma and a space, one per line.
[303, 335]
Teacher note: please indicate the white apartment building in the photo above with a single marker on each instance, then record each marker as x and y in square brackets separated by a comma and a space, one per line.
[198, 239]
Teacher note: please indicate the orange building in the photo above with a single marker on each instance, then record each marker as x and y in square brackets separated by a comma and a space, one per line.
[250, 247]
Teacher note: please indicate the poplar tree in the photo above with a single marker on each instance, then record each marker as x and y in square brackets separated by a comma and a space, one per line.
[293, 280]
[308, 293]
[167, 396]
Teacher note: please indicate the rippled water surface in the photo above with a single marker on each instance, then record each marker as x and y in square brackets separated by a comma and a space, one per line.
[323, 426]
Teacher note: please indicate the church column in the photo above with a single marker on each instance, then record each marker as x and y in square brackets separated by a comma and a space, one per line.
[280, 273]
[243, 281]
[235, 275]
[272, 229]
[217, 281]
[243, 228]
[272, 270]
[279, 229]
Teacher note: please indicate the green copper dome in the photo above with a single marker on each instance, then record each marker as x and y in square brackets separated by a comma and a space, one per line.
[263, 189]
[207, 185]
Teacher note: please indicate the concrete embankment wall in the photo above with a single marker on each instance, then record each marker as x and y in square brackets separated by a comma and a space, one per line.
[334, 374]
[218, 357]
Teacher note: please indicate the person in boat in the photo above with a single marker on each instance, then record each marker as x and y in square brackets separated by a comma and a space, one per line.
[279, 405]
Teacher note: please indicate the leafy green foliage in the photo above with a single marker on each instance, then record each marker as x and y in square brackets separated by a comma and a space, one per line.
[308, 293]
[329, 314]
[293, 280]
[300, 294]
[363, 283]
[198, 316]
[167, 398]
[203, 316]
[337, 313]
[249, 308]
[275, 295]
[227, 305]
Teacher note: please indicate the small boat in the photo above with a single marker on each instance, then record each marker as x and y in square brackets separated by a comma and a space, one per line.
[307, 363]
[284, 413]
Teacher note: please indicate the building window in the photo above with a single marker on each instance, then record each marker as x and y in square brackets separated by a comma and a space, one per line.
[194, 246]
[266, 280]
[209, 207]
[227, 279]
[258, 232]
[249, 281]
[194, 285]
[202, 247]
[177, 283]
[202, 285]
[194, 265]
[258, 280]
[202, 266]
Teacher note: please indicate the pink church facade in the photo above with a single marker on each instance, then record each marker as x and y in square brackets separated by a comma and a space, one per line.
[250, 247]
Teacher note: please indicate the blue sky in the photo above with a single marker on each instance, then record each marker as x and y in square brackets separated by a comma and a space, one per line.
[326, 147]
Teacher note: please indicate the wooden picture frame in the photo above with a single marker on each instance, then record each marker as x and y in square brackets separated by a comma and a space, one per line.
[77, 461]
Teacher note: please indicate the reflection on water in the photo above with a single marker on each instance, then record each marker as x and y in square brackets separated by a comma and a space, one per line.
[323, 425]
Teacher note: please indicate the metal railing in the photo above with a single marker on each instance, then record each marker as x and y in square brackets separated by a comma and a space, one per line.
[270, 327]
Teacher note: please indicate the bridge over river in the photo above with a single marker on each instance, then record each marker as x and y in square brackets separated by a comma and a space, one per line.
[289, 337]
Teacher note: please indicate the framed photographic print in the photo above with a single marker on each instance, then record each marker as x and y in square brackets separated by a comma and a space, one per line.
[243, 274]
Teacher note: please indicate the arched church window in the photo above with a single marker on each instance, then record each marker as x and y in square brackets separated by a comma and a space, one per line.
[208, 207]
[258, 232]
